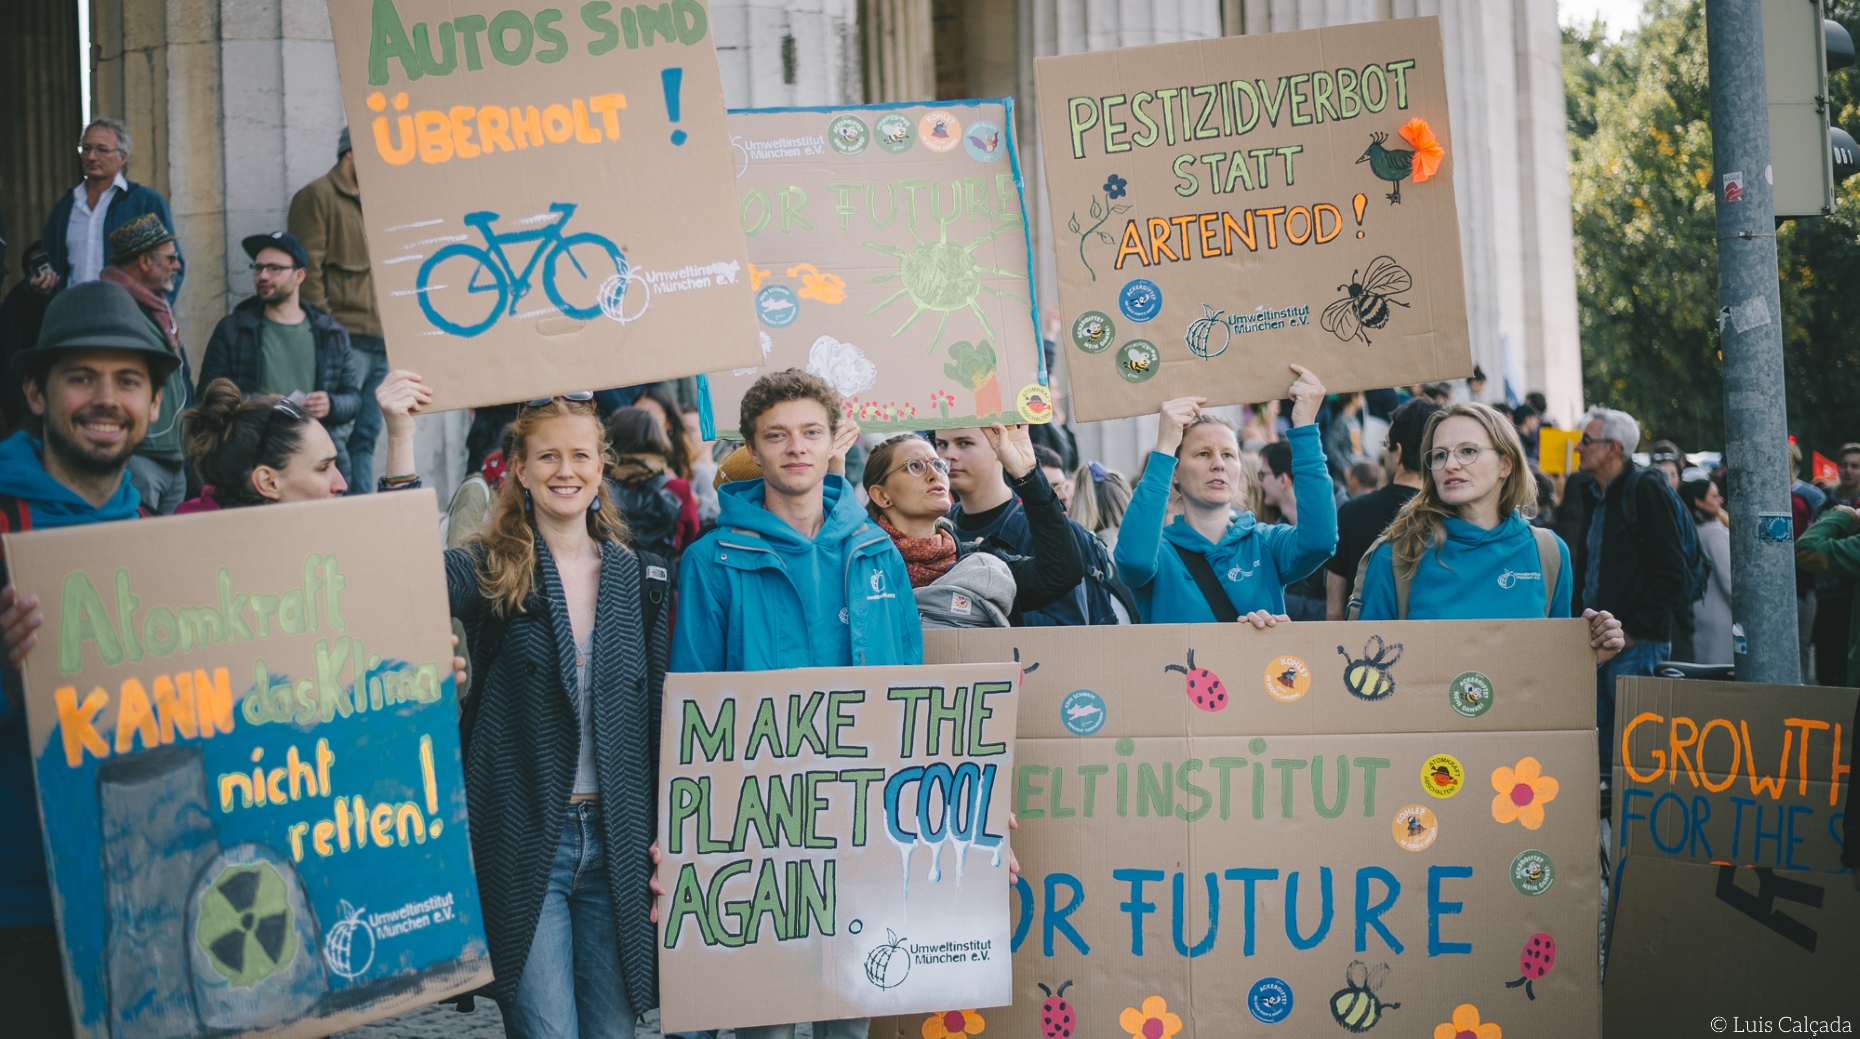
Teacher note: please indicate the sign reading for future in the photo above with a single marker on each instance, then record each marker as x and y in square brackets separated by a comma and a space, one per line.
[245, 739]
[1222, 207]
[835, 843]
[541, 194]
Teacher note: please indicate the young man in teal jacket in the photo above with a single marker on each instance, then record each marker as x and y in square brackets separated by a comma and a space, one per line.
[1250, 561]
[795, 574]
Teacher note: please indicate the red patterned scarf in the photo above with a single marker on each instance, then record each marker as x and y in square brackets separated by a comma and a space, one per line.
[154, 304]
[925, 558]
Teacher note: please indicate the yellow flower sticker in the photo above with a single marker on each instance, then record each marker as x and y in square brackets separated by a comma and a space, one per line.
[953, 1024]
[1154, 1021]
[1522, 793]
[1466, 1025]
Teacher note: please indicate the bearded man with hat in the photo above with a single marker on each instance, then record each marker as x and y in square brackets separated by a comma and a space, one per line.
[145, 261]
[93, 386]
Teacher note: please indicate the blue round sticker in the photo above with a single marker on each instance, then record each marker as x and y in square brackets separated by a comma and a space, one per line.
[1082, 712]
[983, 141]
[777, 306]
[1270, 1000]
[1140, 300]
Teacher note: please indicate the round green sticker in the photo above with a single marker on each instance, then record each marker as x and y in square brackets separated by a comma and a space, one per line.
[1471, 694]
[1532, 872]
[1138, 360]
[1093, 331]
[895, 133]
[848, 135]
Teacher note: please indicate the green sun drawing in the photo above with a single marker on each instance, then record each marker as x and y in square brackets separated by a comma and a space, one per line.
[942, 276]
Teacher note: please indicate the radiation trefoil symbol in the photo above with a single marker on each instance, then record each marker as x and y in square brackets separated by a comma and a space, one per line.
[245, 924]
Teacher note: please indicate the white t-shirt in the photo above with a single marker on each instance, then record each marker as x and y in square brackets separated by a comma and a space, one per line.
[84, 234]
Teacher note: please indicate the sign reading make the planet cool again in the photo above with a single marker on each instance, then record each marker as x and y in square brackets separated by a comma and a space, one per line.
[835, 843]
[1222, 207]
[888, 250]
[1321, 829]
[541, 188]
[245, 736]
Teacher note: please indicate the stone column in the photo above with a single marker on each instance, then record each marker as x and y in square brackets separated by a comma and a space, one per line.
[39, 70]
[775, 53]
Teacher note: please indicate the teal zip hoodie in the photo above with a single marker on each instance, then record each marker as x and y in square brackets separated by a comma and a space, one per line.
[1474, 574]
[1254, 561]
[755, 595]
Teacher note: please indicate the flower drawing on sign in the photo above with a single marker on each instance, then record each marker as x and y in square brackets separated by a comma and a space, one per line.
[1154, 1021]
[1466, 1025]
[953, 1024]
[1101, 210]
[942, 401]
[1427, 148]
[827, 288]
[1522, 793]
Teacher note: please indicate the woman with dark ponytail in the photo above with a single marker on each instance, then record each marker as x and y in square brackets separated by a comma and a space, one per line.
[257, 451]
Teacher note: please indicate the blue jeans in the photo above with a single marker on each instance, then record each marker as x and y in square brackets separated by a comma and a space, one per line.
[851, 1028]
[571, 986]
[372, 366]
[1637, 659]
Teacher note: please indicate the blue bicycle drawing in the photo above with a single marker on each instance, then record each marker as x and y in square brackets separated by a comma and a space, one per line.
[488, 272]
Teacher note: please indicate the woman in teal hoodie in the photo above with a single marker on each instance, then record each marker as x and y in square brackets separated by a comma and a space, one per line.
[1462, 548]
[1199, 455]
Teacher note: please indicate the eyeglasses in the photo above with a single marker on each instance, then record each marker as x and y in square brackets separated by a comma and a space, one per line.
[1589, 441]
[578, 397]
[1465, 454]
[273, 269]
[919, 468]
[86, 149]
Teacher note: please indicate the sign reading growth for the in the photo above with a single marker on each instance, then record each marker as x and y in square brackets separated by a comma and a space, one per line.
[888, 253]
[245, 736]
[1221, 207]
[835, 843]
[541, 189]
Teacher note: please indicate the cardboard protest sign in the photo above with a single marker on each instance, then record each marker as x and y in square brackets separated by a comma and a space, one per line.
[1385, 827]
[834, 843]
[888, 253]
[1221, 207]
[245, 737]
[541, 193]
[1730, 905]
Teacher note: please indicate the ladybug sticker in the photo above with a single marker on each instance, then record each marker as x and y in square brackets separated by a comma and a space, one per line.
[1203, 687]
[1442, 776]
[1056, 1018]
[1287, 679]
[1535, 961]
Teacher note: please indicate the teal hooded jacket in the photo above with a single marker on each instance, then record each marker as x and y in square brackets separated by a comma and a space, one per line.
[1254, 561]
[756, 595]
[1473, 574]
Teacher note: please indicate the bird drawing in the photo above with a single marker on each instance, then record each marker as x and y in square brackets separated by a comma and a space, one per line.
[1398, 164]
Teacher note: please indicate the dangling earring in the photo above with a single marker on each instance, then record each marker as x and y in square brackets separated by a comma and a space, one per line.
[595, 505]
[527, 506]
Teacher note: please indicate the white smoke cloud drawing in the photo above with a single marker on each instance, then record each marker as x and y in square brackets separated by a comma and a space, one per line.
[842, 365]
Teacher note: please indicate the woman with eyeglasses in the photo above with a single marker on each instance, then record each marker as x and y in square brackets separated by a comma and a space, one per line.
[907, 492]
[1461, 548]
[256, 451]
[567, 629]
[1216, 561]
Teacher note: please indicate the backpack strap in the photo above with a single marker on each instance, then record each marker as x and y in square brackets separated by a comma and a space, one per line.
[15, 518]
[1209, 584]
[1402, 584]
[1550, 564]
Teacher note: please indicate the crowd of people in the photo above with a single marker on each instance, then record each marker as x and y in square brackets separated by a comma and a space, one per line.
[602, 543]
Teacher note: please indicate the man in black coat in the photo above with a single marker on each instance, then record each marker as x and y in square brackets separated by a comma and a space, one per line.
[273, 343]
[1627, 556]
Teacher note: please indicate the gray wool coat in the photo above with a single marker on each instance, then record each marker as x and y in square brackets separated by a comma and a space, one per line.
[524, 742]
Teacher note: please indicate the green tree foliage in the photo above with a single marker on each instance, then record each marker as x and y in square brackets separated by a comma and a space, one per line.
[1646, 263]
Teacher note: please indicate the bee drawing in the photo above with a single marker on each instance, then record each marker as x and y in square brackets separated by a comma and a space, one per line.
[1367, 305]
[1356, 1006]
[897, 133]
[1367, 677]
[849, 133]
[1138, 362]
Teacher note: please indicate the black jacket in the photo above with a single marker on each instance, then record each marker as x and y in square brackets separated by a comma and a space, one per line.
[1643, 567]
[233, 353]
[525, 741]
[1037, 541]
